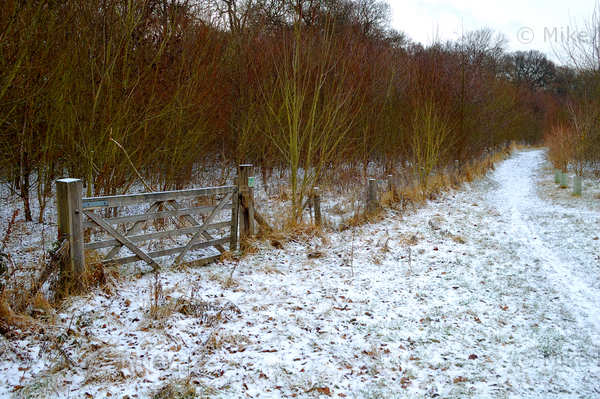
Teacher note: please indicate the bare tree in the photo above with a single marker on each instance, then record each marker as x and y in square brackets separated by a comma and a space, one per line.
[531, 68]
[581, 49]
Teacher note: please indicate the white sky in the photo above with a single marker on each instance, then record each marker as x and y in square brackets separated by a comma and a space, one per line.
[534, 20]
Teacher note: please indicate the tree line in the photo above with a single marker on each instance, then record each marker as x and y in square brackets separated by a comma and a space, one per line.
[574, 139]
[303, 85]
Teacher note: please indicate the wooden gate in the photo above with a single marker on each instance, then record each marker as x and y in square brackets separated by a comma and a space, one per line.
[77, 215]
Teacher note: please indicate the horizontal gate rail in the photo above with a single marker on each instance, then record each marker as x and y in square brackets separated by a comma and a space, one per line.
[202, 210]
[170, 251]
[156, 235]
[141, 255]
[141, 198]
[202, 228]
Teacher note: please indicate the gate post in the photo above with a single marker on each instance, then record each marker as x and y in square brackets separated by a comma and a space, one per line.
[235, 208]
[246, 202]
[317, 205]
[68, 205]
[372, 196]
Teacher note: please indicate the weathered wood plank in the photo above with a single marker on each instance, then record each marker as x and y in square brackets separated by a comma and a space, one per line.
[156, 235]
[132, 199]
[167, 252]
[110, 230]
[234, 221]
[132, 230]
[193, 222]
[207, 221]
[246, 210]
[202, 210]
[70, 227]
[317, 205]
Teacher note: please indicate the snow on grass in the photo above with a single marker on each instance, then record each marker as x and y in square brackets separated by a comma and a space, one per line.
[490, 291]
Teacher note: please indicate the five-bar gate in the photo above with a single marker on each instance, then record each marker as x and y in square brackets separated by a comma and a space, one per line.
[195, 225]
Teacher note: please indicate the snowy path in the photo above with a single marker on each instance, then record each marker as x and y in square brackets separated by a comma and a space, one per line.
[492, 291]
[519, 201]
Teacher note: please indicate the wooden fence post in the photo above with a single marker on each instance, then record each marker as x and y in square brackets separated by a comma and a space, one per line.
[235, 216]
[455, 175]
[372, 196]
[69, 207]
[317, 205]
[246, 203]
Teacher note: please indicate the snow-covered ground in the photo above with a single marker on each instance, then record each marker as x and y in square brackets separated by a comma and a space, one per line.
[490, 291]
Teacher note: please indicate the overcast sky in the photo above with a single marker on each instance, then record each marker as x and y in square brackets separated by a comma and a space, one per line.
[527, 24]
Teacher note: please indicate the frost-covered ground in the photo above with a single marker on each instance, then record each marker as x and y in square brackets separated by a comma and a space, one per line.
[491, 291]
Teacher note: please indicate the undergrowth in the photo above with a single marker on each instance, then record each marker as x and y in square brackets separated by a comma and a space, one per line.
[25, 303]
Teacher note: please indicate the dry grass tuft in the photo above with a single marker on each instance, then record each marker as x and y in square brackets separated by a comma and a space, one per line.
[10, 319]
[248, 246]
[96, 275]
[387, 199]
[109, 365]
[409, 240]
[270, 269]
[183, 389]
[223, 280]
[295, 231]
[163, 306]
[230, 342]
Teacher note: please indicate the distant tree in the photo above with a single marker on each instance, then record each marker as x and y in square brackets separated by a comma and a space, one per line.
[565, 81]
[373, 16]
[532, 68]
[481, 48]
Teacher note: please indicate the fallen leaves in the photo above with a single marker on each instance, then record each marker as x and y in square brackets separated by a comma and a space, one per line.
[405, 382]
[343, 309]
[321, 390]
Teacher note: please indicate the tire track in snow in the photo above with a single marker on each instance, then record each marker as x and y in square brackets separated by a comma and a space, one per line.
[517, 200]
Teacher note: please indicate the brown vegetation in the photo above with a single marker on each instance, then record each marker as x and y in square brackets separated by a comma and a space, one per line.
[574, 139]
[173, 92]
[305, 86]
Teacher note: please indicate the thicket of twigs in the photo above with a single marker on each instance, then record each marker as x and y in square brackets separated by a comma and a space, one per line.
[574, 141]
[305, 85]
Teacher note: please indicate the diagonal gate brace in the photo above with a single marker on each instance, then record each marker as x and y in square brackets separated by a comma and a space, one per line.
[192, 221]
[122, 239]
[202, 230]
[134, 229]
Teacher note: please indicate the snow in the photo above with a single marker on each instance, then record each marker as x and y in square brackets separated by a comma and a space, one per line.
[489, 291]
[518, 198]
[68, 180]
